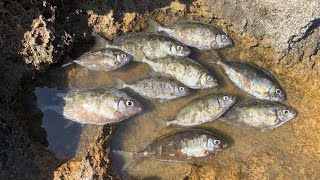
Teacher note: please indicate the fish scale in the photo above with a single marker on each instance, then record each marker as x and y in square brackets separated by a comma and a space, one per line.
[93, 106]
[188, 145]
[202, 110]
[156, 87]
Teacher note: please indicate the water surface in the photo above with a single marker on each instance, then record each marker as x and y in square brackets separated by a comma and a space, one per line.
[136, 133]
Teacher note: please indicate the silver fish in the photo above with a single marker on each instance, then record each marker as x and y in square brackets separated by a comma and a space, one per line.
[202, 110]
[156, 87]
[194, 34]
[106, 59]
[254, 80]
[264, 116]
[188, 145]
[147, 45]
[90, 106]
[185, 70]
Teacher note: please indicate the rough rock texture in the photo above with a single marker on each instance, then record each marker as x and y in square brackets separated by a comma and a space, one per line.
[35, 34]
[290, 27]
[93, 164]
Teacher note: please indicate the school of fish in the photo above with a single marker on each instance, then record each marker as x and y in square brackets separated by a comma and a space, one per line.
[166, 49]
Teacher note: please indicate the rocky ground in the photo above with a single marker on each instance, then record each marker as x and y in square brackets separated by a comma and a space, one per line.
[36, 34]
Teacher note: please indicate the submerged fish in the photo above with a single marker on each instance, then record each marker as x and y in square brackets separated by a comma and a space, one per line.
[106, 59]
[90, 106]
[195, 34]
[264, 116]
[147, 45]
[254, 80]
[202, 110]
[162, 88]
[188, 145]
[185, 70]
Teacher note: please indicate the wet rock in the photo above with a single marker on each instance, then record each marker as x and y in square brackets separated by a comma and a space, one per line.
[93, 164]
[291, 27]
[38, 34]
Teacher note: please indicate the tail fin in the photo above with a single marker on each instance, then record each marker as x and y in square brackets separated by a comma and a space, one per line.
[161, 123]
[153, 26]
[119, 84]
[100, 42]
[67, 64]
[50, 99]
[128, 158]
[67, 61]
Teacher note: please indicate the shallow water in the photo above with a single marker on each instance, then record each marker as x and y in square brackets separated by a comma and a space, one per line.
[137, 132]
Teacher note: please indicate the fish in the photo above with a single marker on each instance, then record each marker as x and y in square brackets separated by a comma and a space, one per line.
[192, 145]
[254, 80]
[146, 45]
[194, 34]
[203, 110]
[156, 87]
[259, 115]
[106, 59]
[185, 70]
[89, 106]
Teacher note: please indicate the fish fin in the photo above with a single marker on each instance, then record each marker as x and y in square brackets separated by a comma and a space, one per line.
[129, 158]
[191, 60]
[163, 100]
[100, 42]
[68, 124]
[160, 124]
[119, 84]
[50, 99]
[67, 61]
[140, 56]
[154, 74]
[153, 25]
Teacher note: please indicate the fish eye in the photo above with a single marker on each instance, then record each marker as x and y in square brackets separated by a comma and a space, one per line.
[224, 37]
[286, 111]
[278, 91]
[216, 142]
[179, 48]
[209, 78]
[181, 88]
[225, 98]
[123, 56]
[129, 103]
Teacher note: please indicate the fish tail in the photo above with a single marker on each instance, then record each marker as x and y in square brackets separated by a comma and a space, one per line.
[128, 158]
[50, 99]
[154, 26]
[161, 123]
[100, 42]
[119, 84]
[67, 64]
[67, 61]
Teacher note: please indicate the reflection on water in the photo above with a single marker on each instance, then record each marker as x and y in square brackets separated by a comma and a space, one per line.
[62, 137]
[136, 133]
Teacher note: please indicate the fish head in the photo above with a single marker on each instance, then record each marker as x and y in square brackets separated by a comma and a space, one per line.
[226, 100]
[221, 41]
[181, 90]
[283, 115]
[277, 94]
[129, 107]
[120, 56]
[206, 80]
[217, 143]
[178, 49]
